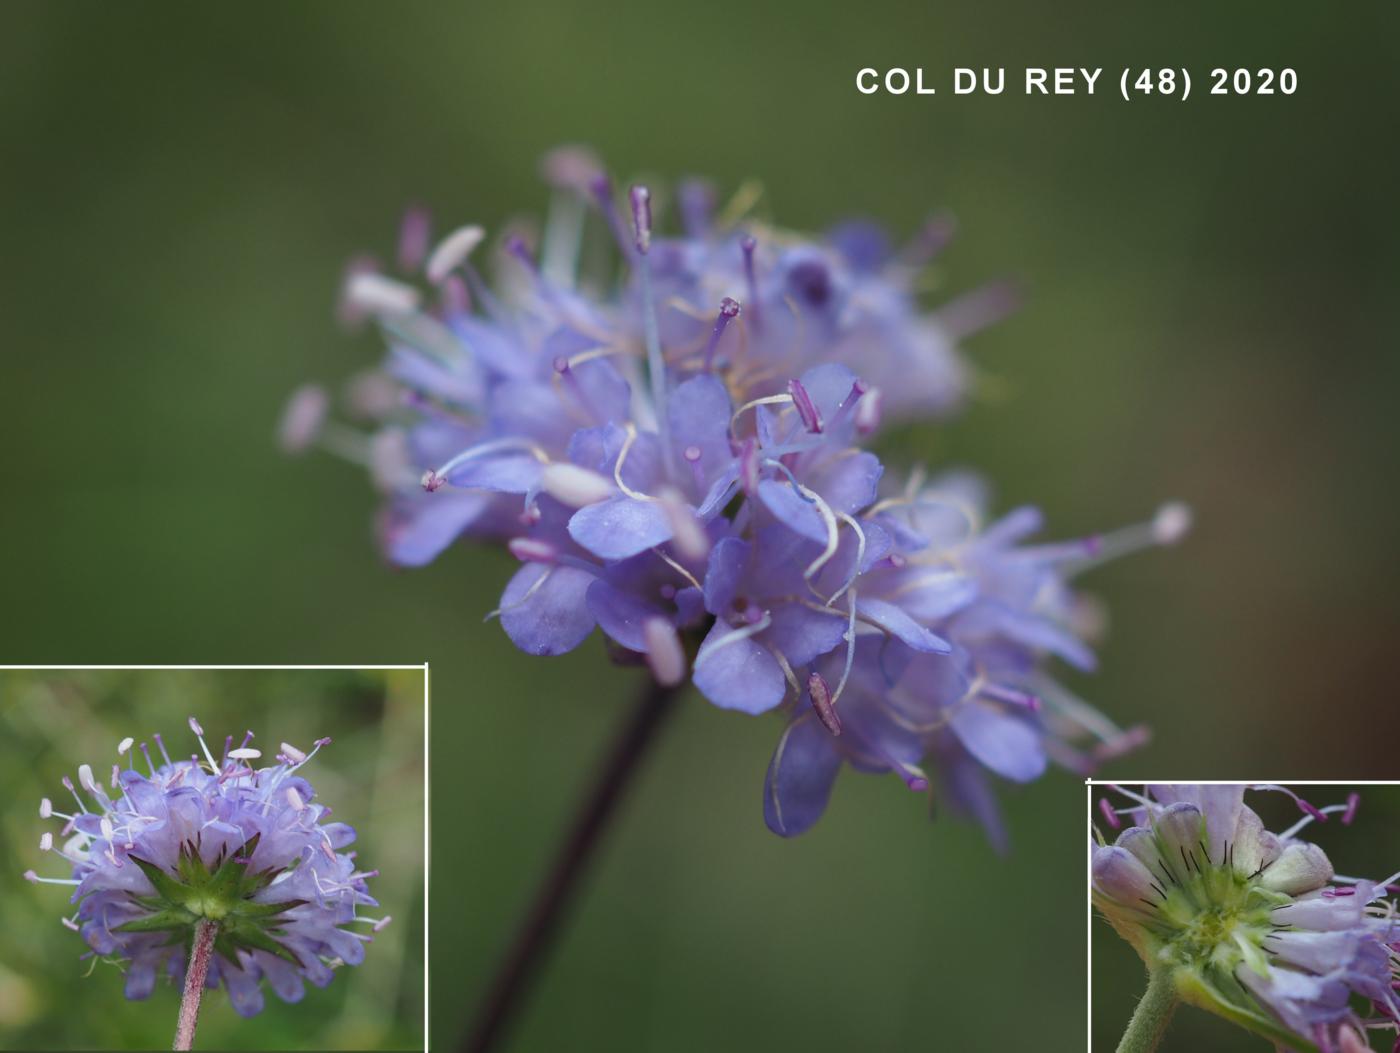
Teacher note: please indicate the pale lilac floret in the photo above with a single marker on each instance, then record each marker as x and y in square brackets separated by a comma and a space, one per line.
[267, 819]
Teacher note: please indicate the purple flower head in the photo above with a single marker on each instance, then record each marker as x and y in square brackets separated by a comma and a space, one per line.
[153, 853]
[1252, 925]
[677, 458]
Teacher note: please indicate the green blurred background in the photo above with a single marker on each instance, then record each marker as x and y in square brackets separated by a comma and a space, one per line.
[1211, 296]
[1369, 848]
[371, 776]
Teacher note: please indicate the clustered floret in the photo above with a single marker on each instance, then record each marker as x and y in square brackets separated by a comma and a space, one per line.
[679, 459]
[153, 854]
[1254, 926]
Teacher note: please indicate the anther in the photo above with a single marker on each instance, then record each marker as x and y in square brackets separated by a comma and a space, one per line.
[372, 293]
[1109, 814]
[820, 694]
[806, 408]
[244, 754]
[532, 550]
[575, 486]
[868, 412]
[86, 781]
[45, 841]
[452, 252]
[292, 753]
[45, 808]
[294, 798]
[1171, 523]
[124, 745]
[665, 655]
[1353, 801]
[432, 481]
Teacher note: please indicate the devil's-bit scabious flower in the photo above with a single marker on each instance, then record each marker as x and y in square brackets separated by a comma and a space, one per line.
[1246, 923]
[677, 457]
[153, 853]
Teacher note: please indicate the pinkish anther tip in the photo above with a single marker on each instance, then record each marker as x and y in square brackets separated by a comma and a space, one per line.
[194, 726]
[432, 482]
[1353, 802]
[918, 785]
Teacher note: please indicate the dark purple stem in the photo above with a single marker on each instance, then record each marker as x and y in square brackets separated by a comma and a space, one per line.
[201, 951]
[521, 963]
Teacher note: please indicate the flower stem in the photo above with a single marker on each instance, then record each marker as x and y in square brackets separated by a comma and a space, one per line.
[520, 966]
[201, 950]
[1153, 1013]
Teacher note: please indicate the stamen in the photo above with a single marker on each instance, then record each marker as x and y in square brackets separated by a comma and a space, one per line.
[29, 875]
[850, 638]
[45, 841]
[294, 799]
[69, 923]
[848, 405]
[1353, 801]
[372, 293]
[515, 246]
[435, 478]
[656, 364]
[734, 636]
[1110, 816]
[1014, 697]
[532, 550]
[45, 808]
[1168, 526]
[244, 754]
[806, 408]
[86, 781]
[820, 695]
[452, 251]
[687, 532]
[574, 486]
[664, 653]
[857, 563]
[978, 309]
[414, 234]
[199, 734]
[160, 744]
[868, 412]
[292, 753]
[124, 745]
[728, 311]
[68, 785]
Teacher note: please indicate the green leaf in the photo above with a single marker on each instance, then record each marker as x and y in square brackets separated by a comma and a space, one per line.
[251, 936]
[171, 890]
[247, 909]
[173, 919]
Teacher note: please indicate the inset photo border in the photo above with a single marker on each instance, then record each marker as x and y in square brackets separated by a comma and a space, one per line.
[1243, 915]
[265, 826]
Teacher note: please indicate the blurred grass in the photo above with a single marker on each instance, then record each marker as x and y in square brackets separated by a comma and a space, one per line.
[1369, 848]
[371, 775]
[1210, 312]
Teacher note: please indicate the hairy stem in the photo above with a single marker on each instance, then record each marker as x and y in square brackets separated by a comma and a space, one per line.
[1153, 1013]
[196, 971]
[521, 963]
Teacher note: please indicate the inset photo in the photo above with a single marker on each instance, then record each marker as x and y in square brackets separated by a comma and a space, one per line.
[1244, 916]
[213, 858]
